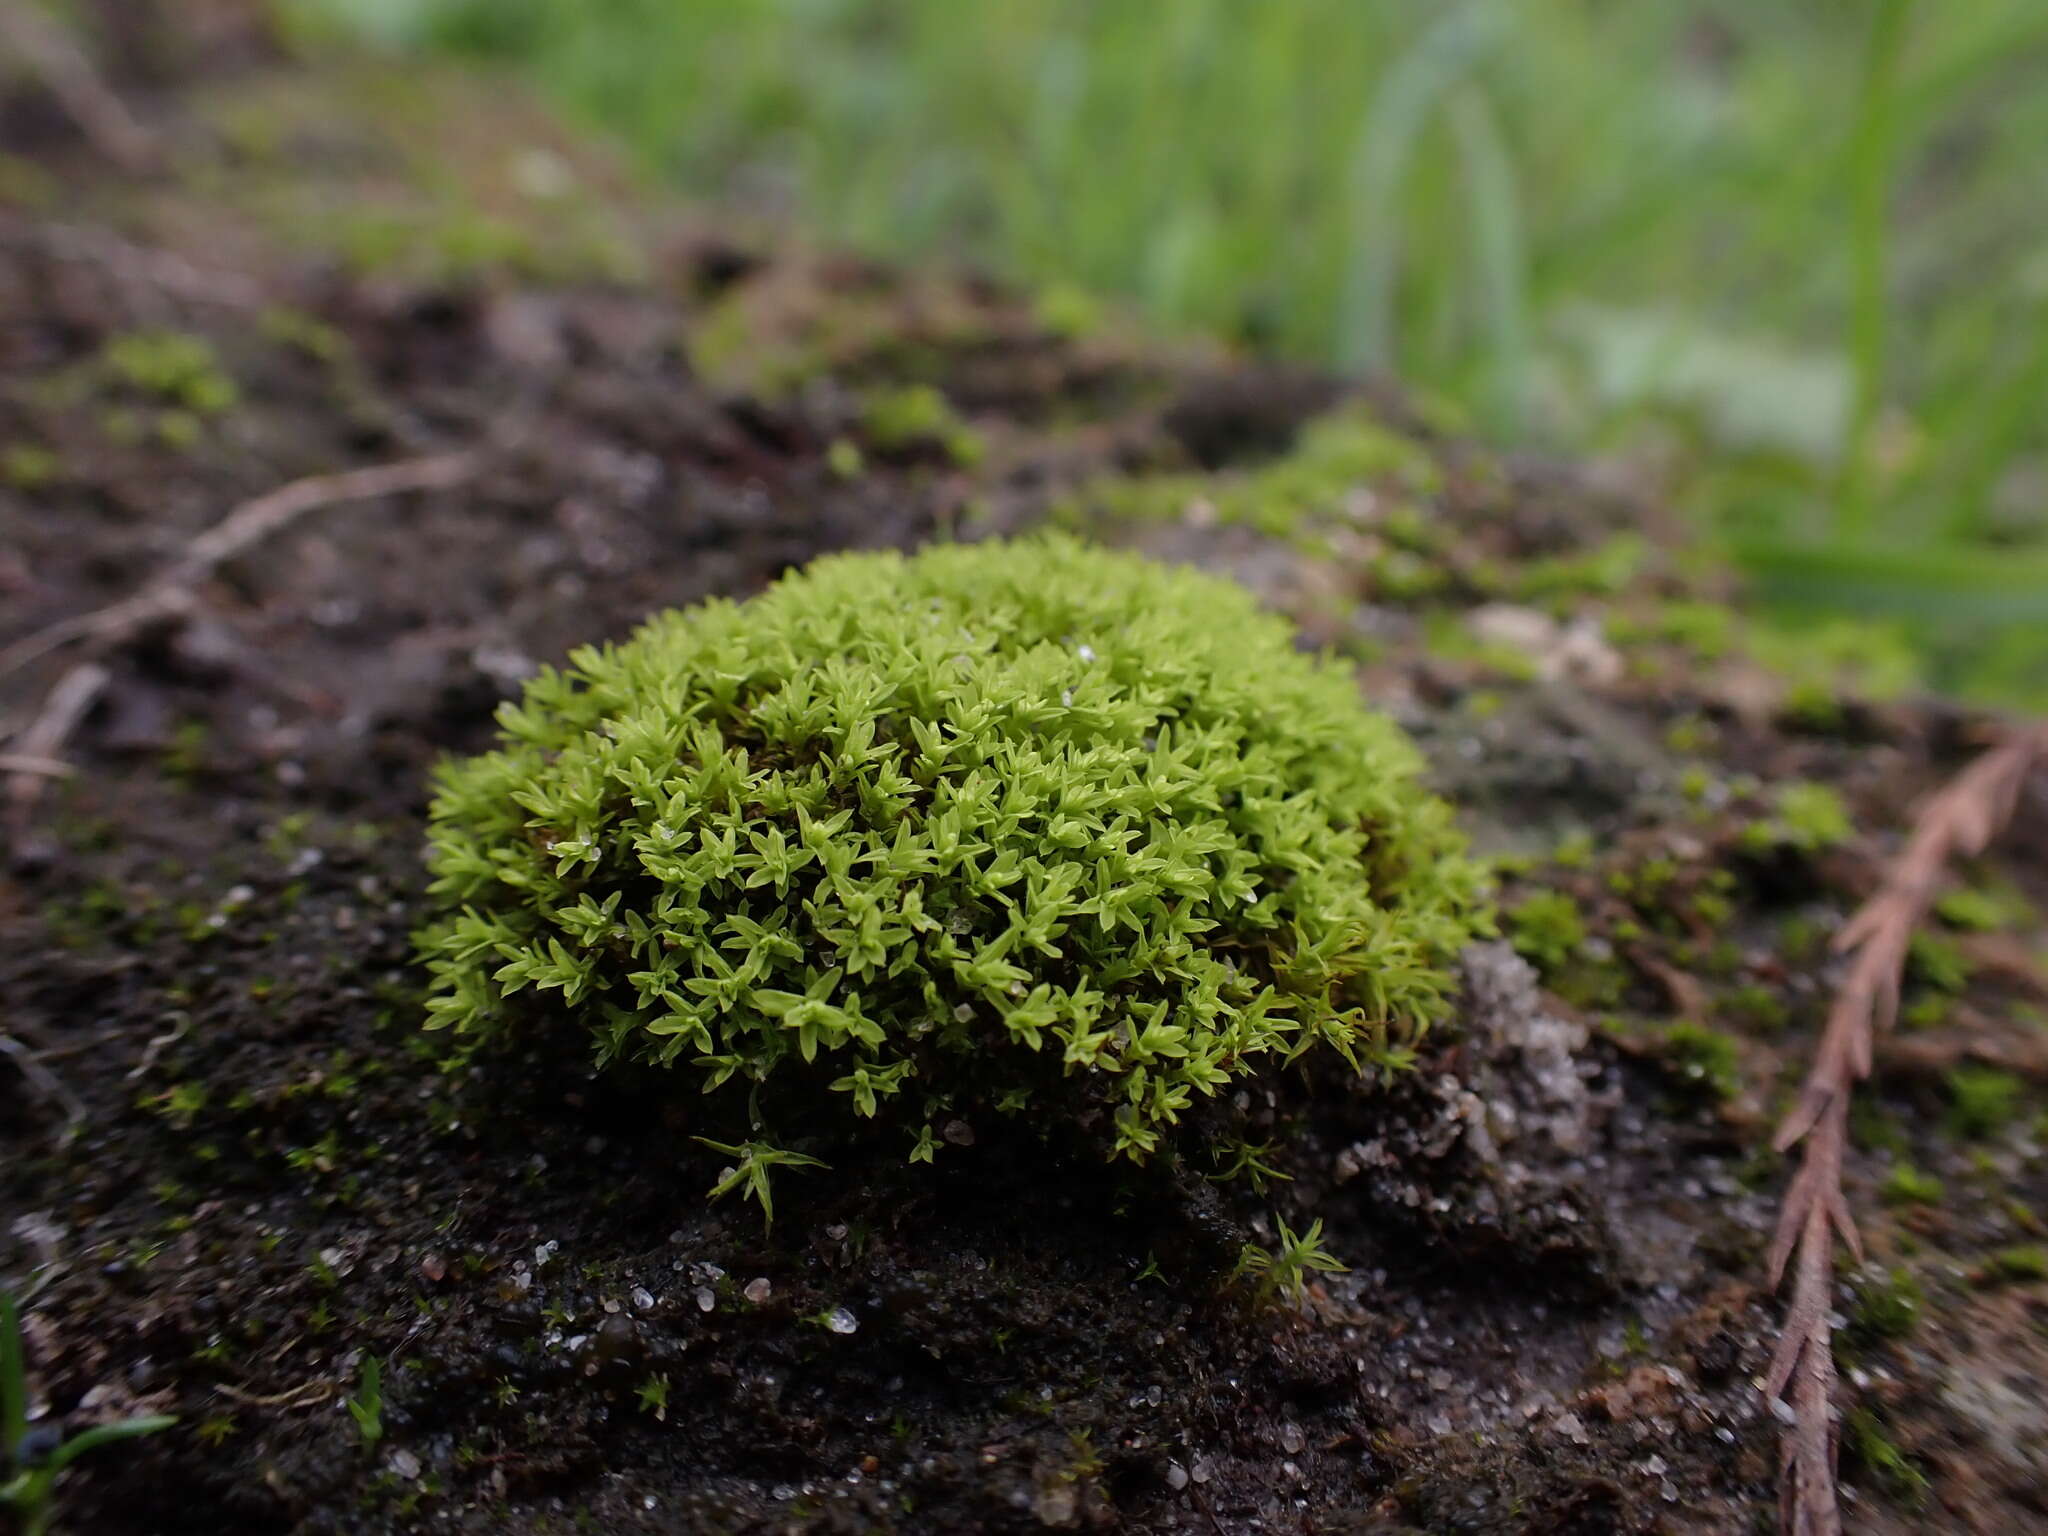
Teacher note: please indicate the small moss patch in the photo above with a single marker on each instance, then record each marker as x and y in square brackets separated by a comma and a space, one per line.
[1982, 1100]
[172, 368]
[1547, 929]
[1705, 1059]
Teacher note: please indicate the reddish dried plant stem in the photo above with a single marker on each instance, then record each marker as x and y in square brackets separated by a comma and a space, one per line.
[1958, 821]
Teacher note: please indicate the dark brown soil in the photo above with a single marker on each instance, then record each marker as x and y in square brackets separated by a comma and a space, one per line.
[241, 1170]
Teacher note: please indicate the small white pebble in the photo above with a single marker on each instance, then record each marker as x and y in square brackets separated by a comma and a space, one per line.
[758, 1290]
[840, 1320]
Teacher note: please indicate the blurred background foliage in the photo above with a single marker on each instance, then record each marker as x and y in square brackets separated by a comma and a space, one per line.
[1793, 256]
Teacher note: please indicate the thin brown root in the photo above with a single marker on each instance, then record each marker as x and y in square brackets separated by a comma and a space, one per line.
[39, 751]
[48, 767]
[301, 1397]
[144, 272]
[171, 593]
[46, 1082]
[69, 76]
[43, 742]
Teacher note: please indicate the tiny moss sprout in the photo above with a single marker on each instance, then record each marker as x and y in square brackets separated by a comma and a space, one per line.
[750, 1172]
[367, 1406]
[653, 1396]
[1285, 1271]
[32, 1458]
[1035, 830]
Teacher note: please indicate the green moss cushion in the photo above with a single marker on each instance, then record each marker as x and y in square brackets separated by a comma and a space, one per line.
[1036, 826]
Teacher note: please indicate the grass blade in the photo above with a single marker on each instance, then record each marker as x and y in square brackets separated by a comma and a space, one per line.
[1982, 586]
[1871, 155]
[1499, 250]
[106, 1434]
[13, 1377]
[1384, 147]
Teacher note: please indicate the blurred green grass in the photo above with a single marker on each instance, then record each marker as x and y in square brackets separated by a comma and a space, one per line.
[1796, 255]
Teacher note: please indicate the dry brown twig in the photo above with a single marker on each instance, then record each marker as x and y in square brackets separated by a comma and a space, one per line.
[1959, 819]
[46, 1082]
[140, 268]
[173, 592]
[68, 75]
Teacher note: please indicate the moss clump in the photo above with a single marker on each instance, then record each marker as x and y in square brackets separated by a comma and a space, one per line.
[1810, 818]
[171, 367]
[1314, 486]
[1867, 1443]
[1937, 962]
[2027, 1261]
[1606, 569]
[1994, 908]
[1908, 1185]
[1757, 1007]
[917, 416]
[1982, 1101]
[1547, 930]
[27, 467]
[1036, 827]
[1888, 1305]
[1705, 1059]
[1823, 664]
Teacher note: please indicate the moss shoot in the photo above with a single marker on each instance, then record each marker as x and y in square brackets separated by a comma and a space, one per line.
[1034, 827]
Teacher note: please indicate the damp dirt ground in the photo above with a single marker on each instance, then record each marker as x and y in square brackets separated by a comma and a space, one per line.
[233, 1169]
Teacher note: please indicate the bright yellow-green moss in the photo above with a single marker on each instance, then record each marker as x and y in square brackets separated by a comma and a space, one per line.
[1036, 826]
